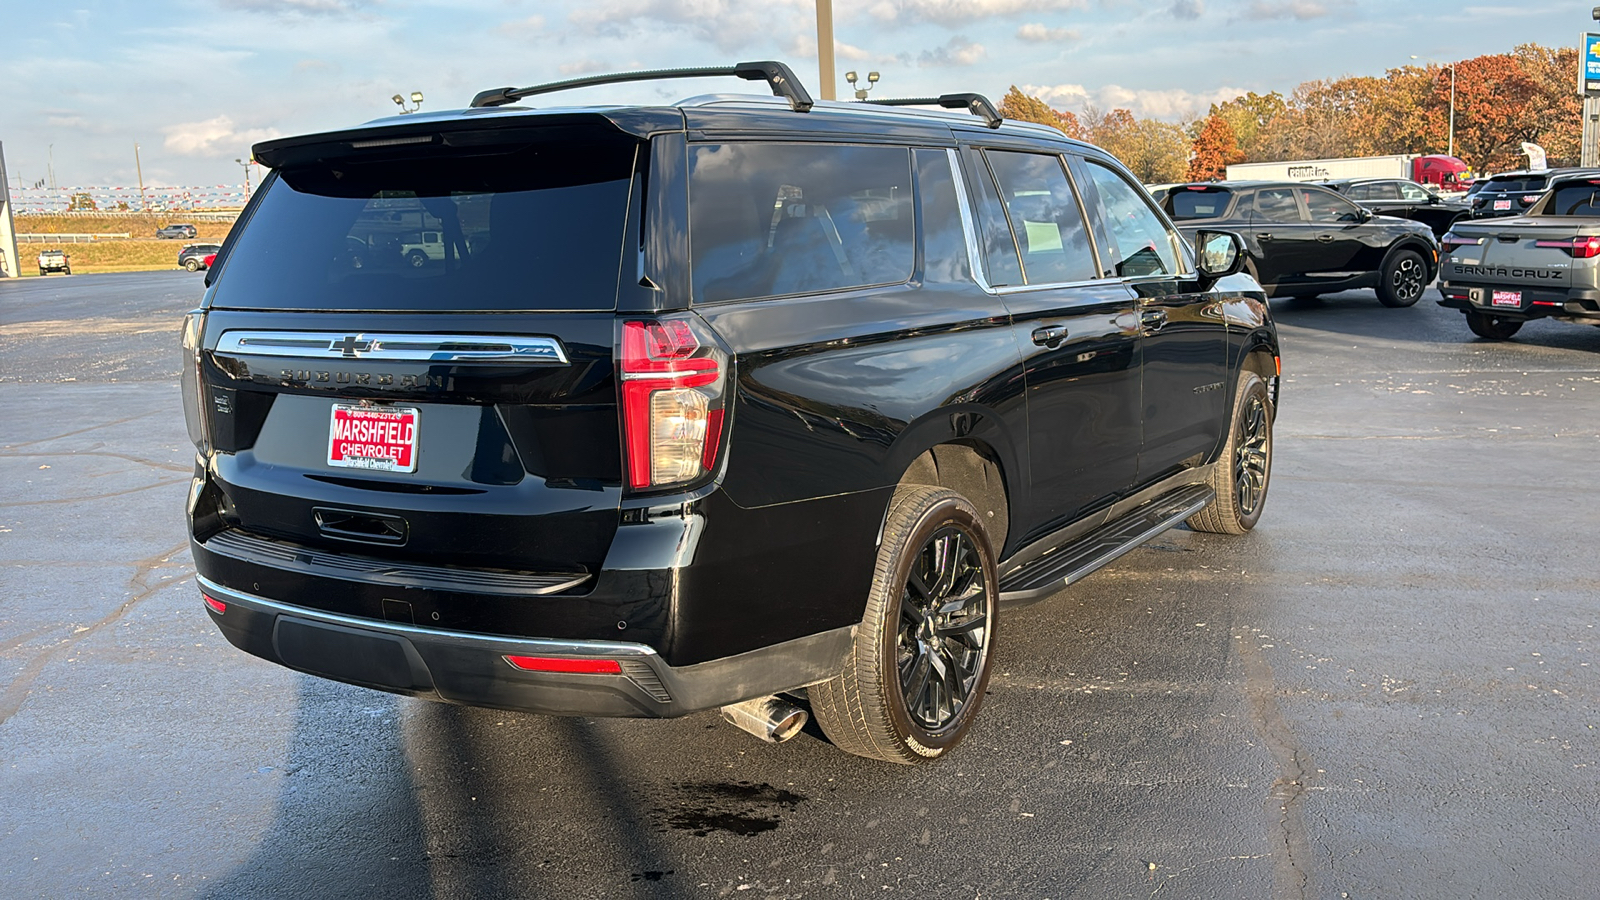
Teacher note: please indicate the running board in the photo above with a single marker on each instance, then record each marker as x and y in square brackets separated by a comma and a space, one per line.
[1067, 564]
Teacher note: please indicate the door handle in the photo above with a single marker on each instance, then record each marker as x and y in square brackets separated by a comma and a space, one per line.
[1152, 320]
[1050, 336]
[1325, 238]
[1264, 236]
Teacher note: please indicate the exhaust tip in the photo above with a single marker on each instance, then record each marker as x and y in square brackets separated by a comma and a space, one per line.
[771, 719]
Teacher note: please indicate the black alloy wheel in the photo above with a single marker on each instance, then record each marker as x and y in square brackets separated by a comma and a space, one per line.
[1404, 279]
[1244, 470]
[915, 677]
[943, 629]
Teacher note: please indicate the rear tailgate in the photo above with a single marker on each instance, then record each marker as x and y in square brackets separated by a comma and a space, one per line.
[1522, 252]
[457, 409]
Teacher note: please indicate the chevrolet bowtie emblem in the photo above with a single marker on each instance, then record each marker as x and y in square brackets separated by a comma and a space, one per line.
[351, 345]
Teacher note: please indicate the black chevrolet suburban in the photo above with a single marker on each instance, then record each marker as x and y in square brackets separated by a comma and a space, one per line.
[748, 403]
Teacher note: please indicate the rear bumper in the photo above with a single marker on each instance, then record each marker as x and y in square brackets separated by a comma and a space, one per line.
[1536, 302]
[461, 667]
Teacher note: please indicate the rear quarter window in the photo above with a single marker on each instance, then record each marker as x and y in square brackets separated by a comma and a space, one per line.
[1575, 199]
[770, 219]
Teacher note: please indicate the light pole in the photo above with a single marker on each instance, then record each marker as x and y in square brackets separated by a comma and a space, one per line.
[416, 98]
[1452, 150]
[861, 92]
[246, 163]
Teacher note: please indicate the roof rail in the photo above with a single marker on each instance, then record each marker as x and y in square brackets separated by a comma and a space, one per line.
[977, 104]
[779, 76]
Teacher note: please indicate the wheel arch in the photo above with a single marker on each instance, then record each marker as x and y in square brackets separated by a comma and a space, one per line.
[973, 469]
[1428, 252]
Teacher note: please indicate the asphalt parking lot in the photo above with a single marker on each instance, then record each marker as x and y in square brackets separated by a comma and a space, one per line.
[1388, 690]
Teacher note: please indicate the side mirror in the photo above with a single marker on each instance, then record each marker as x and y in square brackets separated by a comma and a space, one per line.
[1218, 254]
[1365, 215]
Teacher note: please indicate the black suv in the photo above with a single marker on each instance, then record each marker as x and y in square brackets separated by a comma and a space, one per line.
[193, 256]
[1302, 240]
[1511, 193]
[704, 404]
[1403, 198]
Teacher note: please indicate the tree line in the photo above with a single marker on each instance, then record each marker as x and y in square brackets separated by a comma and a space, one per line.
[1501, 100]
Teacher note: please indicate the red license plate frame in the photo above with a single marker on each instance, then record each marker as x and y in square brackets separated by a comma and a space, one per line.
[374, 438]
[1511, 299]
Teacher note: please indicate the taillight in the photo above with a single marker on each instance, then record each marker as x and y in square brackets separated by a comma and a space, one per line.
[1527, 199]
[1579, 247]
[673, 374]
[193, 388]
[1451, 241]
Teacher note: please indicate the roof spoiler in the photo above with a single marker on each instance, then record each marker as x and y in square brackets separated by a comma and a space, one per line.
[977, 104]
[778, 76]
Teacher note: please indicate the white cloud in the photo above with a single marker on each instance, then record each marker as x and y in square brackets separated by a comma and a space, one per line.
[1187, 9]
[953, 12]
[729, 24]
[1173, 104]
[214, 137]
[1286, 9]
[805, 47]
[1037, 33]
[583, 67]
[958, 51]
[297, 7]
[522, 27]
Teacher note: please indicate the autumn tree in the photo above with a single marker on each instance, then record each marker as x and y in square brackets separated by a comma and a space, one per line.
[1024, 108]
[1554, 108]
[1215, 148]
[1253, 118]
[1494, 97]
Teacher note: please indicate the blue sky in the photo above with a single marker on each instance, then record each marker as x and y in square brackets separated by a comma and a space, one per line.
[195, 82]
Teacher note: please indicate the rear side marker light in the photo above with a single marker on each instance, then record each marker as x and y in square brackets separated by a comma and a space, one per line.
[217, 606]
[566, 666]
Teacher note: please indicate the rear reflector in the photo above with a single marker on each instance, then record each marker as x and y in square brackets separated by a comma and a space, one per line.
[217, 606]
[573, 666]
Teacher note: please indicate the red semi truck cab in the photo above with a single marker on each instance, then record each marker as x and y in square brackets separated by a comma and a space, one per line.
[1445, 171]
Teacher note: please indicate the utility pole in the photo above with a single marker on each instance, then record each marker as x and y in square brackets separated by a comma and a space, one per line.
[825, 49]
[144, 204]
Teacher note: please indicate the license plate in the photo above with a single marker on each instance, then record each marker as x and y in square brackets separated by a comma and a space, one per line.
[383, 438]
[1506, 298]
[1502, 204]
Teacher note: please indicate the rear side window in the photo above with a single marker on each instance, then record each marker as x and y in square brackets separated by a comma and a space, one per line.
[944, 244]
[1198, 204]
[524, 227]
[1044, 217]
[768, 219]
[1276, 205]
[1580, 198]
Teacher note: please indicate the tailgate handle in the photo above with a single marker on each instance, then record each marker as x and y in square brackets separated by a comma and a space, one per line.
[368, 528]
[1506, 238]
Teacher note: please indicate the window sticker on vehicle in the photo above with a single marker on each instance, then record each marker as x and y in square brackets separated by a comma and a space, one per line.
[383, 438]
[1506, 298]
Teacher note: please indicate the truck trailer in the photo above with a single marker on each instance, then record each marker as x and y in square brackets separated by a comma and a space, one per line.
[1445, 172]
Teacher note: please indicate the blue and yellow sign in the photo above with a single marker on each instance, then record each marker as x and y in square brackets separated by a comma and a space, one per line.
[1589, 74]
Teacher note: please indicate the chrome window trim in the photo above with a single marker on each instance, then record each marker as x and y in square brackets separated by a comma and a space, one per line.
[392, 346]
[969, 222]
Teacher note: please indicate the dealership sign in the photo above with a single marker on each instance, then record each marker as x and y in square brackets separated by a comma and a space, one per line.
[1589, 74]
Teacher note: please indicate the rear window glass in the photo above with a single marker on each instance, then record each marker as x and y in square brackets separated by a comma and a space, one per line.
[768, 219]
[1580, 198]
[1515, 184]
[527, 227]
[1187, 204]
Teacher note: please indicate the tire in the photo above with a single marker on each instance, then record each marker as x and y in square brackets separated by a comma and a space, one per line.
[1492, 328]
[890, 701]
[192, 264]
[1404, 279]
[1244, 470]
[417, 258]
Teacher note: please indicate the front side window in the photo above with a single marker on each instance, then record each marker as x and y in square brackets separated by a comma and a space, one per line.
[769, 219]
[1327, 207]
[1143, 244]
[1044, 217]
